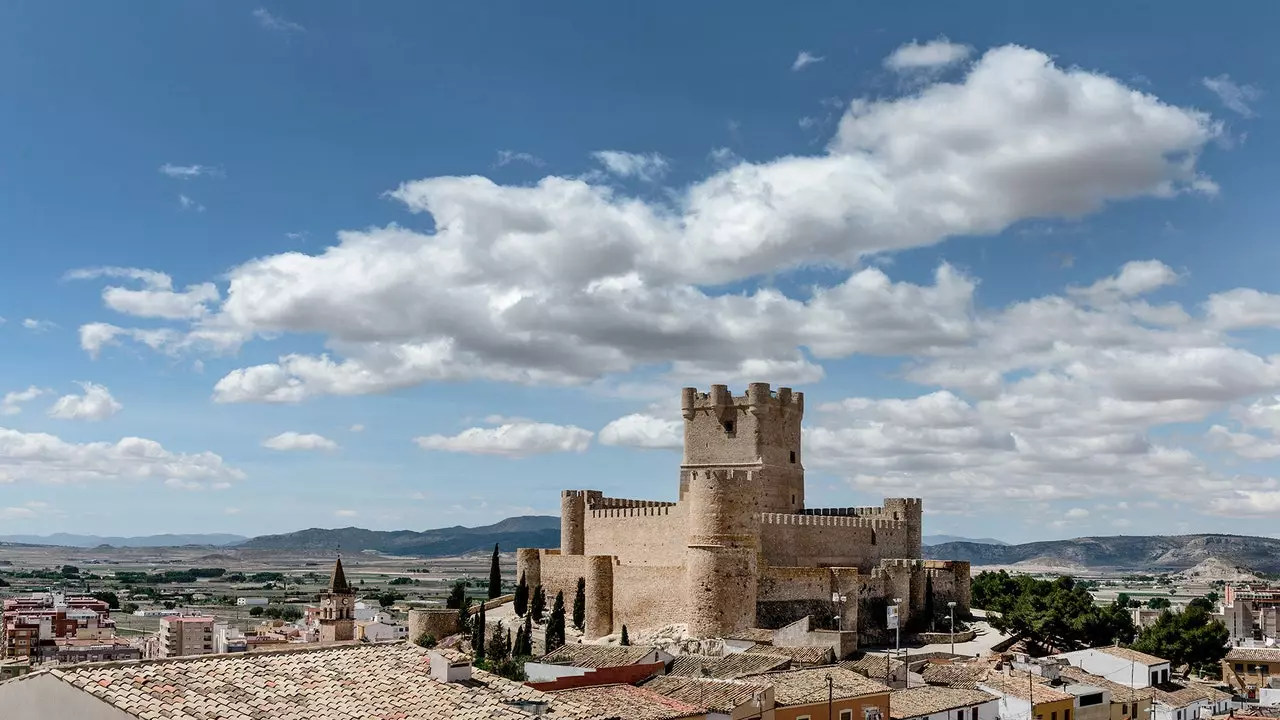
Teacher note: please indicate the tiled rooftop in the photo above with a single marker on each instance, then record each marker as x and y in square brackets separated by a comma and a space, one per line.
[1131, 655]
[929, 699]
[1241, 654]
[1019, 684]
[802, 655]
[1178, 695]
[1119, 693]
[802, 687]
[345, 682]
[956, 675]
[596, 656]
[757, 635]
[721, 695]
[874, 666]
[629, 702]
[733, 665]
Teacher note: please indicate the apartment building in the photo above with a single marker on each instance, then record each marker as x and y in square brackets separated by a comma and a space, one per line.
[42, 619]
[186, 635]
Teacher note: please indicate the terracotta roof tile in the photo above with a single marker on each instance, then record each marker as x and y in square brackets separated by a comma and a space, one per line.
[1242, 654]
[801, 687]
[1132, 655]
[929, 699]
[731, 666]
[597, 656]
[721, 695]
[628, 701]
[803, 655]
[348, 682]
[1019, 684]
[874, 666]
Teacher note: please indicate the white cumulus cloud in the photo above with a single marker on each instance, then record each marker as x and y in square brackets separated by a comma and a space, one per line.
[157, 297]
[644, 431]
[299, 441]
[927, 56]
[648, 167]
[41, 457]
[12, 402]
[1236, 97]
[513, 440]
[95, 404]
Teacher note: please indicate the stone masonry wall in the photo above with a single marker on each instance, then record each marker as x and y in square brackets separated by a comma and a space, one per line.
[643, 535]
[648, 597]
[812, 540]
[560, 573]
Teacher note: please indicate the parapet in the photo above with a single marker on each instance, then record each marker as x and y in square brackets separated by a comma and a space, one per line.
[758, 395]
[874, 522]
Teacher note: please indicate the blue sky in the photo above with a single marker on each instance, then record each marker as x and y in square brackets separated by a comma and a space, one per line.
[269, 267]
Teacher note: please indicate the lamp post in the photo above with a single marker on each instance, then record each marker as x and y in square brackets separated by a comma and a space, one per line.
[951, 608]
[830, 693]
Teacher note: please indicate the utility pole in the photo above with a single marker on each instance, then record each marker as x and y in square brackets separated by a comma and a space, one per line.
[830, 693]
[951, 606]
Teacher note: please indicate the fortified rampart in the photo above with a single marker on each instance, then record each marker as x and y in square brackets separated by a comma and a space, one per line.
[739, 548]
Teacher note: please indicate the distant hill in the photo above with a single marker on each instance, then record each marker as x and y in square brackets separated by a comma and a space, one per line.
[940, 539]
[1126, 552]
[92, 541]
[532, 531]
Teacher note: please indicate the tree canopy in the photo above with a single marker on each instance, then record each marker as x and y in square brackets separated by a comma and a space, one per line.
[1191, 637]
[1055, 614]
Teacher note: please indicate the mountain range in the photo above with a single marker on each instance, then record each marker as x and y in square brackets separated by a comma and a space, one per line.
[539, 531]
[941, 539]
[1123, 552]
[89, 541]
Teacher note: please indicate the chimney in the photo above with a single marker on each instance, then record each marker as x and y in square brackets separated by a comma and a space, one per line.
[449, 666]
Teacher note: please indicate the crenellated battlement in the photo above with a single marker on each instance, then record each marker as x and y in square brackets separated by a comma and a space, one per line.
[841, 511]
[608, 503]
[757, 396]
[628, 512]
[832, 520]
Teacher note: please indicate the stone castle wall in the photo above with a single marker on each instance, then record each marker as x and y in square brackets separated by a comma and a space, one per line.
[639, 534]
[648, 597]
[813, 540]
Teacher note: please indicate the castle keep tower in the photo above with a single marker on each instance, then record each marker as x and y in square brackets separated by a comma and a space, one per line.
[759, 431]
[721, 564]
[338, 608]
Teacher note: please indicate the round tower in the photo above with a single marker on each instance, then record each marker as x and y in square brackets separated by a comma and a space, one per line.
[599, 592]
[721, 562]
[529, 565]
[573, 510]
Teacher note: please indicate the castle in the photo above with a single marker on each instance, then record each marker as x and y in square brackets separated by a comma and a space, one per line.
[740, 549]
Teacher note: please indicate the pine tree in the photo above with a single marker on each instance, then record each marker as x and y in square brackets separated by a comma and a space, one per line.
[456, 595]
[625, 640]
[498, 649]
[495, 575]
[522, 596]
[538, 606]
[477, 635]
[580, 604]
[555, 624]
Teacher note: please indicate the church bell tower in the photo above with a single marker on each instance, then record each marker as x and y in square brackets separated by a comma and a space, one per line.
[338, 608]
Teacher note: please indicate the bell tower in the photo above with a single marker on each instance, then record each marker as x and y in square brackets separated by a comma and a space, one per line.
[338, 608]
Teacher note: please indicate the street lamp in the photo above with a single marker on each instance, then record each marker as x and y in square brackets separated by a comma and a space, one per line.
[951, 607]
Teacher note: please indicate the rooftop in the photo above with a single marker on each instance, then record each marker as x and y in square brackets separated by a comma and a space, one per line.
[734, 665]
[346, 682]
[1178, 695]
[720, 695]
[802, 687]
[956, 675]
[187, 618]
[756, 635]
[802, 654]
[1256, 654]
[1017, 684]
[1131, 655]
[927, 700]
[1119, 693]
[628, 701]
[874, 666]
[596, 656]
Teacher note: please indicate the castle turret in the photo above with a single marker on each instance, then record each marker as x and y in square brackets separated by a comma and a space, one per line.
[911, 511]
[599, 596]
[759, 431]
[573, 510]
[723, 548]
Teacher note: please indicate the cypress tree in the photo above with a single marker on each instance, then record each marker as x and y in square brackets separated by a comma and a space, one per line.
[538, 605]
[497, 649]
[522, 596]
[456, 595]
[929, 609]
[580, 604]
[477, 635]
[495, 575]
[625, 640]
[555, 625]
[526, 648]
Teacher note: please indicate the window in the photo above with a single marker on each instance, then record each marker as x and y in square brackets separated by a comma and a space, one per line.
[1239, 667]
[1124, 709]
[804, 717]
[1067, 714]
[1053, 715]
[1155, 678]
[793, 457]
[844, 714]
[728, 426]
